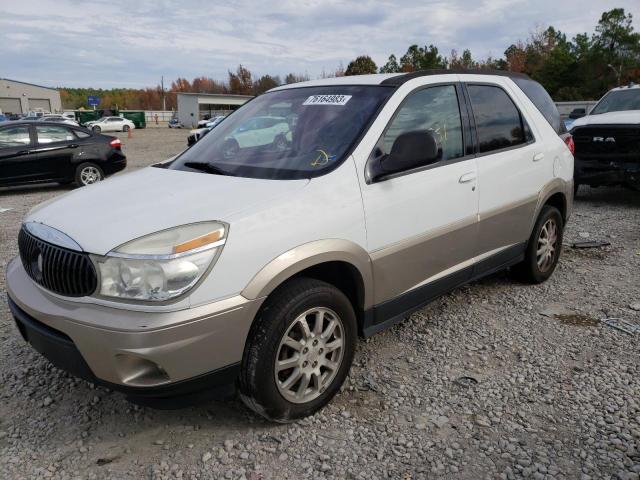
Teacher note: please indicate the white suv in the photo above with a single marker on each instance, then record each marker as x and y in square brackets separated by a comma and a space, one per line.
[259, 263]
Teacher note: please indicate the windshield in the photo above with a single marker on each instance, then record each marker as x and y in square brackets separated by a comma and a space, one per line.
[618, 101]
[293, 133]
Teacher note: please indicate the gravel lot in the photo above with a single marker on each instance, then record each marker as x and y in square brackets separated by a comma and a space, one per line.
[495, 380]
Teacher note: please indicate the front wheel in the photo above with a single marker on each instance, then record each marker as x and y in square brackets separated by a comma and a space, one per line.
[96, 129]
[87, 174]
[299, 350]
[543, 249]
[125, 128]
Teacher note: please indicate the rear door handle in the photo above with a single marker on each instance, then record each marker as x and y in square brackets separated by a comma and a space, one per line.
[467, 177]
[538, 156]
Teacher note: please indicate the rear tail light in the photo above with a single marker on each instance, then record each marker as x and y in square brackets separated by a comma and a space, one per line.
[117, 144]
[568, 140]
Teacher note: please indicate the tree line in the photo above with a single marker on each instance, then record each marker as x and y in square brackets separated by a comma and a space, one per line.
[582, 68]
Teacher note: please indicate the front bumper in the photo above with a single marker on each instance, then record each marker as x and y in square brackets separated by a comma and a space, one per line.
[140, 353]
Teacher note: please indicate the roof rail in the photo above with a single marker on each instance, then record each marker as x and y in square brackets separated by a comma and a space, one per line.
[400, 79]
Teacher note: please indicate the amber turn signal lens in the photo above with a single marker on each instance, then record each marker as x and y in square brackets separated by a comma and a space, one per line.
[198, 242]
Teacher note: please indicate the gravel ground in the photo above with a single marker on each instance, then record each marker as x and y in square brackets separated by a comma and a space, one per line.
[495, 380]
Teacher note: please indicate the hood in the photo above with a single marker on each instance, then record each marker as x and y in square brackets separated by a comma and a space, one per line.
[623, 117]
[103, 216]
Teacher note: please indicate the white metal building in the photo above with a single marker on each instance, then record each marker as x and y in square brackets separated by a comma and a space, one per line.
[194, 106]
[21, 98]
[565, 108]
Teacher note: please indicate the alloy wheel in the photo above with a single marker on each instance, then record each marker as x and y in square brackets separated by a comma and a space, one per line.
[547, 245]
[89, 175]
[309, 355]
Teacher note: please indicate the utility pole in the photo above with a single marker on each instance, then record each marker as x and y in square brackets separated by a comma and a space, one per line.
[164, 105]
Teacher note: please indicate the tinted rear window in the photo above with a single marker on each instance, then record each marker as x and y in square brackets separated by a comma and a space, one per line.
[498, 121]
[542, 100]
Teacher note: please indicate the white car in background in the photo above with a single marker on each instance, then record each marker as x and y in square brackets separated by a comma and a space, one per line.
[110, 124]
[59, 119]
[197, 133]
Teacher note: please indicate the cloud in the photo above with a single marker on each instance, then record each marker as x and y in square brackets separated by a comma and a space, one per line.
[131, 44]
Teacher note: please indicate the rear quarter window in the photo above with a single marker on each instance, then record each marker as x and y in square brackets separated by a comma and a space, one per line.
[543, 102]
[498, 120]
[81, 134]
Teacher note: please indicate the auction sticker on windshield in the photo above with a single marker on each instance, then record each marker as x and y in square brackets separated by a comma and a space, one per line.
[327, 100]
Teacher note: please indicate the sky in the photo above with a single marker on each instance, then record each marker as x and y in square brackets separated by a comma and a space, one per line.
[75, 43]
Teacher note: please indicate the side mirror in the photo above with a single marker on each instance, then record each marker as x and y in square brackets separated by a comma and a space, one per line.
[410, 150]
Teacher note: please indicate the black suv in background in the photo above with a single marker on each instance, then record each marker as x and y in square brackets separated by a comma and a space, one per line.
[32, 152]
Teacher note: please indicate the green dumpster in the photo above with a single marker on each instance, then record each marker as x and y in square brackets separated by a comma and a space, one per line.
[137, 117]
[84, 116]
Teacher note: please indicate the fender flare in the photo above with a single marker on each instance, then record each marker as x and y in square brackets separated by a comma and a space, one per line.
[557, 185]
[297, 259]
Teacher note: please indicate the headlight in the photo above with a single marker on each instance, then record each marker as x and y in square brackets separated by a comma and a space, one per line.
[160, 266]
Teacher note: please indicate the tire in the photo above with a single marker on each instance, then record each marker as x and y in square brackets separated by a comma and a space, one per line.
[88, 173]
[125, 128]
[262, 386]
[536, 268]
[96, 129]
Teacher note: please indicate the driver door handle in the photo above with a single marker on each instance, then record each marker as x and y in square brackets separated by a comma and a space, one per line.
[467, 177]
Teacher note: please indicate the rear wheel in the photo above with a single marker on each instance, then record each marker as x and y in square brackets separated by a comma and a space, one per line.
[299, 350]
[543, 249]
[88, 173]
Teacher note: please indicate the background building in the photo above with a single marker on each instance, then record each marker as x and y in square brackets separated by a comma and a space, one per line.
[194, 106]
[20, 97]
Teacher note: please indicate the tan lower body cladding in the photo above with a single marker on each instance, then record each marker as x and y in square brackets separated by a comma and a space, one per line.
[407, 264]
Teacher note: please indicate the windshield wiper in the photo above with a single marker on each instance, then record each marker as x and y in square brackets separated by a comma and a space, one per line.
[207, 167]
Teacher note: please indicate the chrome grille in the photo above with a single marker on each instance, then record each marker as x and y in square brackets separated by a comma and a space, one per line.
[57, 269]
